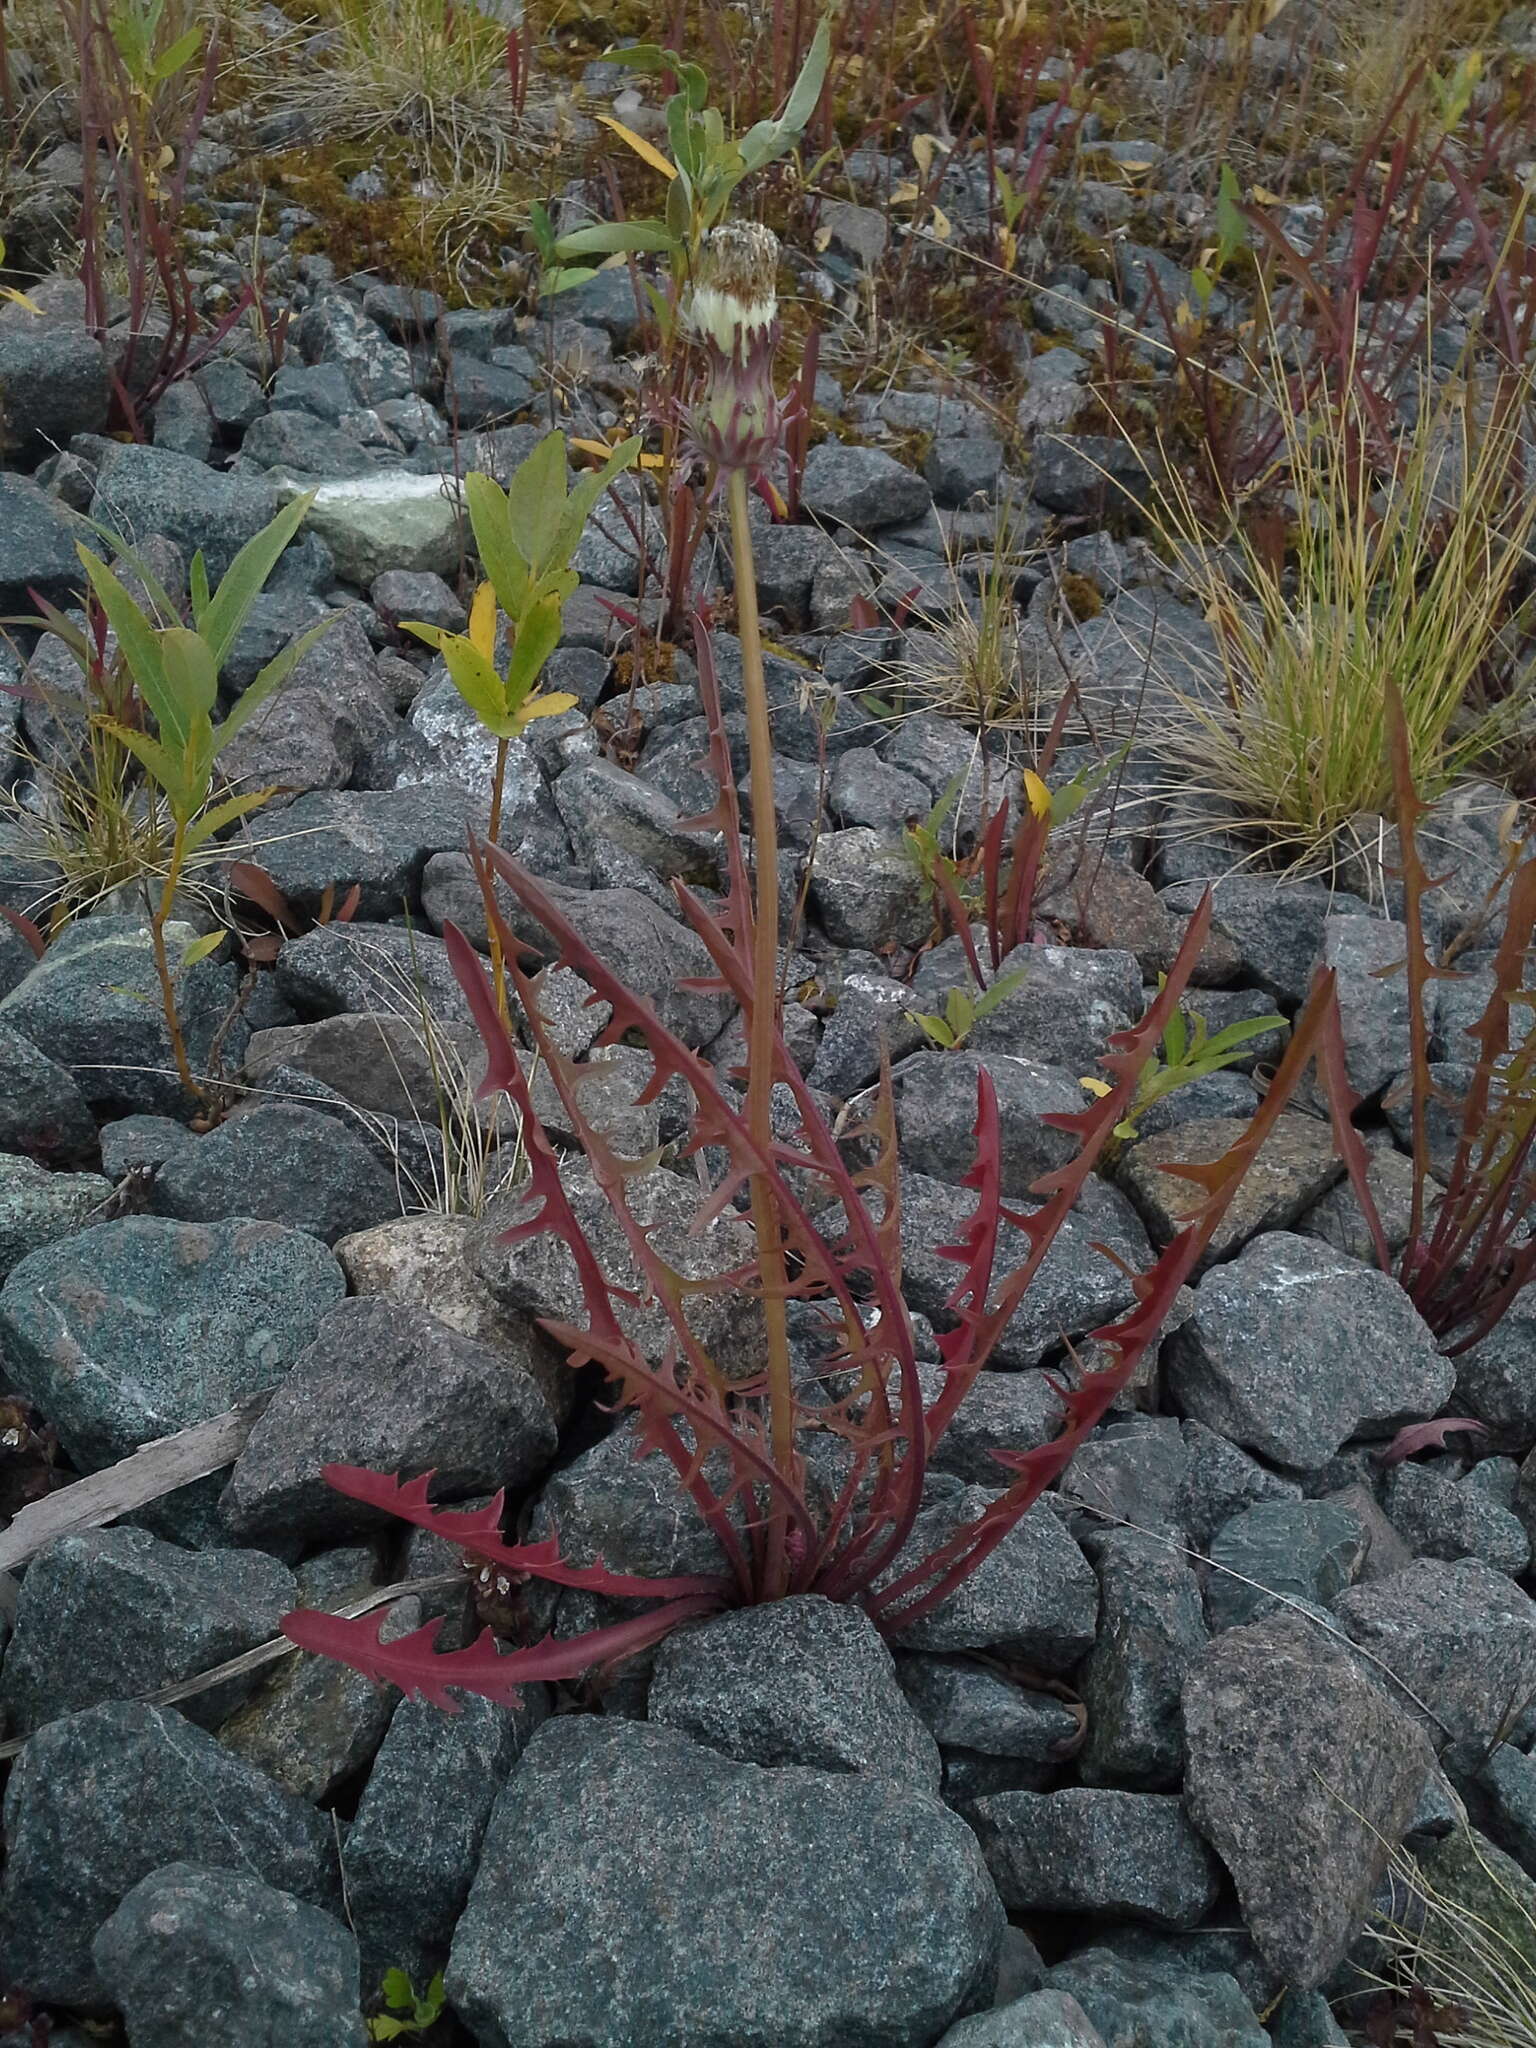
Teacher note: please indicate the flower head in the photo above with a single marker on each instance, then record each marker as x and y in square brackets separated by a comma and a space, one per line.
[734, 313]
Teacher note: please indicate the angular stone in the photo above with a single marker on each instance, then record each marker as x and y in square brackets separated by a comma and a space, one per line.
[1373, 1004]
[1042, 2019]
[1135, 2005]
[803, 1681]
[1150, 1632]
[1271, 1356]
[140, 1327]
[376, 840]
[1277, 927]
[1220, 1481]
[414, 1843]
[603, 807]
[863, 488]
[936, 1096]
[1034, 1595]
[388, 1386]
[905, 1941]
[38, 537]
[351, 967]
[1460, 1638]
[432, 1258]
[1065, 1008]
[93, 1004]
[867, 891]
[1439, 1517]
[966, 1705]
[1279, 1550]
[39, 1208]
[390, 519]
[1304, 1776]
[107, 1613]
[101, 1799]
[1494, 1379]
[1296, 1164]
[281, 1163]
[200, 1958]
[1130, 1854]
[43, 1114]
[142, 491]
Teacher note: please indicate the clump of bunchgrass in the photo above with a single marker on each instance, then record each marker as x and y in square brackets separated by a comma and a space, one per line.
[1459, 1945]
[1397, 566]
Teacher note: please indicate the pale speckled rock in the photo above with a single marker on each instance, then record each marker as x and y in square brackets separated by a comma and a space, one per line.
[38, 1208]
[1293, 1348]
[1304, 1776]
[1460, 1636]
[1042, 2019]
[1295, 1166]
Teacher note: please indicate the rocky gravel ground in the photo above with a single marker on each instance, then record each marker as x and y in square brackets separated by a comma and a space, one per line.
[1137, 1784]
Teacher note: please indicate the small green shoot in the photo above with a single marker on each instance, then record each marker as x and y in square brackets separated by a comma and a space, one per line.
[1188, 1053]
[963, 1011]
[407, 2013]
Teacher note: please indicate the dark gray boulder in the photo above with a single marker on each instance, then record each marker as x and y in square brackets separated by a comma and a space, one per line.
[209, 1958]
[1130, 1854]
[636, 1886]
[101, 1799]
[280, 1162]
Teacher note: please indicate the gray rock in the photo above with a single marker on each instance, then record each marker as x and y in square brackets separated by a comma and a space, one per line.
[1279, 1550]
[1494, 1380]
[803, 1681]
[1134, 2005]
[605, 809]
[1373, 1006]
[904, 1941]
[1002, 1411]
[1296, 1163]
[1459, 1637]
[93, 1004]
[140, 1327]
[299, 443]
[133, 1144]
[320, 389]
[1065, 1008]
[864, 790]
[787, 560]
[400, 594]
[1437, 1517]
[390, 518]
[354, 967]
[42, 1112]
[1087, 475]
[313, 732]
[1304, 1776]
[275, 618]
[1130, 1854]
[936, 1095]
[960, 468]
[967, 1705]
[204, 1958]
[1498, 1785]
[1220, 1481]
[1271, 1356]
[281, 1163]
[101, 1799]
[1277, 928]
[1033, 1596]
[863, 488]
[867, 891]
[433, 1258]
[39, 1208]
[38, 537]
[1042, 2019]
[107, 1613]
[478, 394]
[385, 1385]
[872, 1020]
[231, 393]
[1150, 1632]
[1076, 1288]
[390, 1066]
[333, 330]
[143, 491]
[414, 1843]
[53, 384]
[1132, 1469]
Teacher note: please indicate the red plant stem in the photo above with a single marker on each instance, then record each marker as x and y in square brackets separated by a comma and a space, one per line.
[760, 1024]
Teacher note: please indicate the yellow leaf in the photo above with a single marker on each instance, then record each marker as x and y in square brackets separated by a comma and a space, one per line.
[599, 450]
[923, 147]
[1036, 794]
[1262, 196]
[643, 149]
[549, 705]
[941, 227]
[482, 622]
[1094, 1085]
[904, 193]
